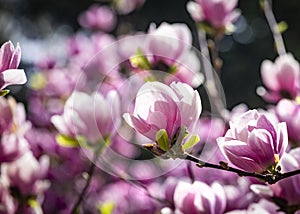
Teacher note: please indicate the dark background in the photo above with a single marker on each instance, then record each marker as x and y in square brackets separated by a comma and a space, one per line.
[242, 53]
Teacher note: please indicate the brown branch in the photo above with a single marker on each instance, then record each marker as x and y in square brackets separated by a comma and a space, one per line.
[270, 178]
[85, 188]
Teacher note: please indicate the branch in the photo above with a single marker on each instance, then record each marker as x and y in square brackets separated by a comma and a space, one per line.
[209, 74]
[85, 188]
[270, 178]
[274, 27]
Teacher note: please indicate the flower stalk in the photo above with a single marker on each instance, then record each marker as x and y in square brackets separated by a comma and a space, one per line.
[279, 43]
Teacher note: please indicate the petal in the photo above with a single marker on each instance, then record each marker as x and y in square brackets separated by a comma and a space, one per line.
[189, 103]
[239, 154]
[282, 139]
[16, 58]
[269, 75]
[13, 76]
[262, 143]
[184, 197]
[148, 94]
[195, 11]
[6, 53]
[264, 123]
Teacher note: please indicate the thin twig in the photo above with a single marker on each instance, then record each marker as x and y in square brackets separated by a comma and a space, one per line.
[211, 79]
[270, 178]
[85, 188]
[274, 27]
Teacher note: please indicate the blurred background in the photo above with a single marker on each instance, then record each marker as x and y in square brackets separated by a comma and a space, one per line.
[42, 26]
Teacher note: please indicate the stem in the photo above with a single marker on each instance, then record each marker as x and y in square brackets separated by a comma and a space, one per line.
[209, 74]
[274, 27]
[85, 188]
[217, 62]
[270, 178]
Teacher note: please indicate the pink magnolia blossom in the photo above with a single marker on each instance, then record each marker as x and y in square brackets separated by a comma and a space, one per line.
[98, 18]
[286, 189]
[261, 207]
[280, 78]
[13, 143]
[289, 111]
[253, 143]
[30, 179]
[199, 198]
[168, 49]
[5, 115]
[159, 106]
[8, 204]
[93, 116]
[169, 41]
[130, 198]
[9, 61]
[217, 13]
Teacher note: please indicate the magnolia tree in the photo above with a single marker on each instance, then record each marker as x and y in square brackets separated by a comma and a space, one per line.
[117, 126]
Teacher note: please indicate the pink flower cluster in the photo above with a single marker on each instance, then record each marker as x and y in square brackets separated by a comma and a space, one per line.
[115, 123]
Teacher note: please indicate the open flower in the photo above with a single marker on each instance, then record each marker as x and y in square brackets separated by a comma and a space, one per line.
[288, 189]
[168, 48]
[281, 78]
[9, 61]
[199, 198]
[92, 116]
[161, 111]
[98, 18]
[217, 13]
[253, 143]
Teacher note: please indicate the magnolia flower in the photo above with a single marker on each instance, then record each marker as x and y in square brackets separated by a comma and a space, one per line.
[261, 207]
[289, 111]
[199, 198]
[5, 115]
[167, 48]
[217, 13]
[9, 61]
[92, 116]
[30, 179]
[100, 18]
[161, 111]
[13, 127]
[286, 189]
[253, 143]
[281, 78]
[169, 41]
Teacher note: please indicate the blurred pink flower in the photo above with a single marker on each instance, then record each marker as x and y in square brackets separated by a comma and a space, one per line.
[5, 115]
[159, 106]
[13, 143]
[93, 116]
[289, 189]
[217, 13]
[199, 198]
[8, 204]
[281, 78]
[98, 18]
[29, 180]
[9, 61]
[289, 111]
[165, 53]
[286, 189]
[253, 143]
[168, 41]
[127, 6]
